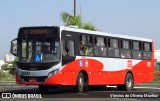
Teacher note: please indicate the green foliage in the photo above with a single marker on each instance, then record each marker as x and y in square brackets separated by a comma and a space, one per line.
[2, 75]
[157, 75]
[89, 26]
[76, 21]
[6, 77]
[12, 71]
[11, 67]
[71, 20]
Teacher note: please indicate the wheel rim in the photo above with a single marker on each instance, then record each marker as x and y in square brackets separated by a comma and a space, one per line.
[81, 82]
[129, 83]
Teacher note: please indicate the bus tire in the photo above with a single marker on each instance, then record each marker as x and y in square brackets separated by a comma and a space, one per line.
[43, 88]
[80, 83]
[128, 83]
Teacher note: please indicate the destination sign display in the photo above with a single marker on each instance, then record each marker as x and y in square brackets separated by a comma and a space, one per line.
[37, 31]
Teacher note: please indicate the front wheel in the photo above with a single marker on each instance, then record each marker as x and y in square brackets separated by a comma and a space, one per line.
[80, 83]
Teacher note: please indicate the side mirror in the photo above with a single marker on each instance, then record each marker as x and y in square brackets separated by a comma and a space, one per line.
[14, 47]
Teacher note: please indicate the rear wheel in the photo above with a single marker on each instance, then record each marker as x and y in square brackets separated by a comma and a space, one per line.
[128, 83]
[80, 83]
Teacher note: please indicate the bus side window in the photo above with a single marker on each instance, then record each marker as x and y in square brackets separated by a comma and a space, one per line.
[83, 39]
[136, 52]
[147, 54]
[100, 46]
[86, 45]
[89, 46]
[113, 49]
[89, 41]
[125, 51]
[68, 48]
[82, 47]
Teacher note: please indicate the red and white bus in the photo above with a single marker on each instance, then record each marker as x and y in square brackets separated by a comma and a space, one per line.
[51, 56]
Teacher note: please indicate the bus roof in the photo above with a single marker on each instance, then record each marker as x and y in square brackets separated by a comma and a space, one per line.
[105, 34]
[94, 33]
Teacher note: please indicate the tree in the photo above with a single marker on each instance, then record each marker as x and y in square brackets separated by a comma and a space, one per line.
[11, 67]
[89, 26]
[69, 19]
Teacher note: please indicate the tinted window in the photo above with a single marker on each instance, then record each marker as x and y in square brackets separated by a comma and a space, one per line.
[136, 46]
[68, 48]
[125, 52]
[100, 41]
[147, 54]
[100, 48]
[83, 39]
[137, 54]
[113, 50]
[114, 43]
[125, 44]
[89, 40]
[147, 47]
[86, 45]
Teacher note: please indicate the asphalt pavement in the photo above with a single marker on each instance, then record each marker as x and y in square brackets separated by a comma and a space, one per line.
[109, 93]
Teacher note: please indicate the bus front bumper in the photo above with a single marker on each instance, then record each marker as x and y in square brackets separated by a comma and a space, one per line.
[57, 79]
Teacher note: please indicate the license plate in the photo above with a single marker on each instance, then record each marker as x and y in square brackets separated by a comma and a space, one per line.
[32, 80]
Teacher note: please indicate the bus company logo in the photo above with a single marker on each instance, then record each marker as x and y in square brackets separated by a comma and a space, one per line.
[6, 95]
[86, 63]
[129, 64]
[81, 63]
[148, 64]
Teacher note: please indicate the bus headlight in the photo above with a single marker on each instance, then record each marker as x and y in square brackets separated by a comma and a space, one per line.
[52, 73]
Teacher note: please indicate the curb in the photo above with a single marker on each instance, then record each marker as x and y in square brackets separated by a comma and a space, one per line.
[7, 82]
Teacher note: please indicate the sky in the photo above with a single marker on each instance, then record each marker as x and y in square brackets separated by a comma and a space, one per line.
[140, 18]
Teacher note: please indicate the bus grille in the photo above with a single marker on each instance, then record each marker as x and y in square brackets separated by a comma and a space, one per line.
[38, 79]
[36, 66]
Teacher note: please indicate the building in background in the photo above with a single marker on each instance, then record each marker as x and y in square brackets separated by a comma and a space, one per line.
[2, 62]
[157, 55]
[157, 58]
[6, 63]
[9, 57]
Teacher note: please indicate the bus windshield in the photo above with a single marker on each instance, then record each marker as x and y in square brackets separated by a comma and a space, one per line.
[39, 50]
